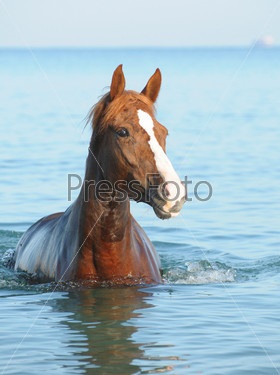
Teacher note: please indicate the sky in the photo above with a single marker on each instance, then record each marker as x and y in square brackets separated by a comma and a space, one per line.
[128, 23]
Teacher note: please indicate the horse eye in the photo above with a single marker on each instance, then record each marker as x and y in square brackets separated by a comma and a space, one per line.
[123, 132]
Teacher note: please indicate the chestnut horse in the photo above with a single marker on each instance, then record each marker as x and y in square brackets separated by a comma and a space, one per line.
[97, 238]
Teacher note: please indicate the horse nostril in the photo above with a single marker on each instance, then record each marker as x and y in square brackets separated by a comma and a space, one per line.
[178, 205]
[164, 191]
[167, 191]
[171, 191]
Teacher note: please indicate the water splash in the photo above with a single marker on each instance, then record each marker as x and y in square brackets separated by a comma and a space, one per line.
[7, 259]
[200, 272]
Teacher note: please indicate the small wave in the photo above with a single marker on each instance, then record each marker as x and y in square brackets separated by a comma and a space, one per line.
[9, 279]
[7, 259]
[259, 268]
[200, 272]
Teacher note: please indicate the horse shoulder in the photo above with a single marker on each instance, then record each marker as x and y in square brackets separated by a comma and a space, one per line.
[146, 249]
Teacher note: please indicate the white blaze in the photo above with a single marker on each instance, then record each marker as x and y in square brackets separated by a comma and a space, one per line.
[174, 186]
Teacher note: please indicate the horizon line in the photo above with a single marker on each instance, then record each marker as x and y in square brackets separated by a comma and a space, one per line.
[145, 47]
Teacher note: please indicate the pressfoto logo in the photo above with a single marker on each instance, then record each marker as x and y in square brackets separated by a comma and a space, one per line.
[106, 191]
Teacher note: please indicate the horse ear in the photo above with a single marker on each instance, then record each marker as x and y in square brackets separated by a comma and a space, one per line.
[118, 83]
[152, 88]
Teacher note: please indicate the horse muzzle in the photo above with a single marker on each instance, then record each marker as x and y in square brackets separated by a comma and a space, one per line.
[168, 199]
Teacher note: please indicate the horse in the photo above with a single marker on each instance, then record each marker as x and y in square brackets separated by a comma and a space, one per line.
[97, 238]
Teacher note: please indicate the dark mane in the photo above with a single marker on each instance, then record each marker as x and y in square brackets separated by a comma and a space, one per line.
[105, 109]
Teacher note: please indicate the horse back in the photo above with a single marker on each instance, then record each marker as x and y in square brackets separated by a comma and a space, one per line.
[35, 253]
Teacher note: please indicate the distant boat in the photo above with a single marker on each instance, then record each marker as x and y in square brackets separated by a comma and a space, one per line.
[266, 41]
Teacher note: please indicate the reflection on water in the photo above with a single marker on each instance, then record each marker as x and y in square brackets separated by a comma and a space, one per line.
[103, 317]
[90, 331]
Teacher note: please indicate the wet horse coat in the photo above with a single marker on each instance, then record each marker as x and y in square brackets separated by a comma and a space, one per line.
[97, 238]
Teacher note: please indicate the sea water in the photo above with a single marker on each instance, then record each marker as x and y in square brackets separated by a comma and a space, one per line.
[218, 311]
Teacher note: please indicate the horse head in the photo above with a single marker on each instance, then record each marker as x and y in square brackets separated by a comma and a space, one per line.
[129, 144]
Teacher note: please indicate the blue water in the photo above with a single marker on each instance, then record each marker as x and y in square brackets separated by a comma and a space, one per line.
[218, 311]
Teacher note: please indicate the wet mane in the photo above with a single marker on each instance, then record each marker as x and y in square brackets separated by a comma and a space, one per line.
[106, 110]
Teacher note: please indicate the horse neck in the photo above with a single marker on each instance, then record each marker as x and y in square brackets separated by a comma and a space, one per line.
[102, 221]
